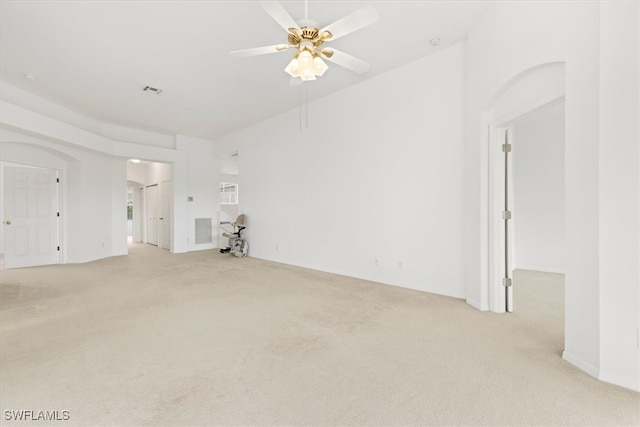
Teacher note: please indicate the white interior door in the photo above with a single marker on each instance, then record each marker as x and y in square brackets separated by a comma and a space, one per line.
[30, 217]
[164, 213]
[152, 214]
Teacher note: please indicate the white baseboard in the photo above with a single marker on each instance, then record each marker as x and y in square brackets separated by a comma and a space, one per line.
[621, 380]
[618, 379]
[476, 304]
[581, 364]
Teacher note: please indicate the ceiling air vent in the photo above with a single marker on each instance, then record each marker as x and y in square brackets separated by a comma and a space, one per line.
[151, 89]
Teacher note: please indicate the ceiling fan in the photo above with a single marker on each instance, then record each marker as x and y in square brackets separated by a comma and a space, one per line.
[308, 39]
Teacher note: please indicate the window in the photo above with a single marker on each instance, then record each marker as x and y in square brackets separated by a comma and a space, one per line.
[228, 193]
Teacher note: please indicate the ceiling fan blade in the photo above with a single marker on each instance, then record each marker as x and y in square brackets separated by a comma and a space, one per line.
[352, 22]
[259, 50]
[344, 59]
[279, 13]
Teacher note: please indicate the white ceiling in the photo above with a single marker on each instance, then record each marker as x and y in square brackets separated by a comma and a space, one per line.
[94, 57]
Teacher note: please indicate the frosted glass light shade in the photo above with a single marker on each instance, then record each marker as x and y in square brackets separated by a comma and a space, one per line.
[319, 66]
[306, 65]
[293, 69]
[305, 58]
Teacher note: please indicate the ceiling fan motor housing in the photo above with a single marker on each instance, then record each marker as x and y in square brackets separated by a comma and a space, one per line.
[311, 34]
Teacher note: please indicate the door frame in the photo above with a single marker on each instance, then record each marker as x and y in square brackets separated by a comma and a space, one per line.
[492, 201]
[138, 210]
[500, 228]
[147, 213]
[164, 228]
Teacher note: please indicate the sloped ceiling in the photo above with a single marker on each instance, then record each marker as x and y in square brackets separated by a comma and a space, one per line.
[94, 57]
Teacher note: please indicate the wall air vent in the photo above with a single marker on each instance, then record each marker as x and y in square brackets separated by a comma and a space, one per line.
[151, 89]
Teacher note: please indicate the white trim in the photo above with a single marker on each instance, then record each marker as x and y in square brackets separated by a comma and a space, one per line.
[475, 304]
[621, 380]
[581, 364]
[495, 115]
[494, 244]
[496, 258]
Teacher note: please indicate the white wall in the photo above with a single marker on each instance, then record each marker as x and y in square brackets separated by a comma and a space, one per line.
[229, 212]
[155, 172]
[376, 175]
[538, 180]
[382, 159]
[49, 109]
[118, 186]
[601, 287]
[93, 207]
[137, 172]
[149, 173]
[229, 164]
[202, 187]
[55, 134]
[619, 210]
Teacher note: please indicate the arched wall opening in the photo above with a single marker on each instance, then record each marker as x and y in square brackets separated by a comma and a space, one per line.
[527, 92]
[24, 151]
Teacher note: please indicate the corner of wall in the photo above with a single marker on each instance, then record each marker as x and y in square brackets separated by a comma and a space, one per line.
[581, 364]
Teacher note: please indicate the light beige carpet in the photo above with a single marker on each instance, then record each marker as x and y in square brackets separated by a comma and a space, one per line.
[210, 339]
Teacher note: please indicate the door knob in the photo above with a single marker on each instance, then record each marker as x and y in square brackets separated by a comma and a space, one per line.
[8, 222]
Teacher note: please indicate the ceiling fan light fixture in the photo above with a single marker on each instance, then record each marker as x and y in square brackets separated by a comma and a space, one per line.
[319, 65]
[308, 38]
[305, 59]
[307, 65]
[293, 68]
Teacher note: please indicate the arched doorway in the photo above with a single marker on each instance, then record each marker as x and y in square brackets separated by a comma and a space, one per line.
[33, 203]
[526, 93]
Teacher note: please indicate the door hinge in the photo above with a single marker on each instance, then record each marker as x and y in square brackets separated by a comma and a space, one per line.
[506, 281]
[506, 215]
[506, 148]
